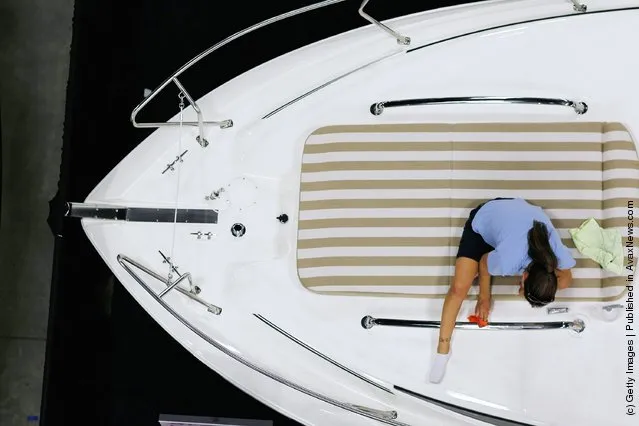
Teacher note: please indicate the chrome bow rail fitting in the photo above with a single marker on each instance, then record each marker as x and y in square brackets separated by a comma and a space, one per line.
[577, 325]
[379, 107]
[127, 263]
[579, 7]
[401, 39]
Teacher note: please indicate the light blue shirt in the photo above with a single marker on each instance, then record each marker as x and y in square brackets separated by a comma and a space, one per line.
[504, 224]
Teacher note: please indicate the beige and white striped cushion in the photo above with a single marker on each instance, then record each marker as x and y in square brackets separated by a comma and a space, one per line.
[382, 206]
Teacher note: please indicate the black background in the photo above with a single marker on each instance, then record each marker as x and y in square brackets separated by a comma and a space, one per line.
[108, 362]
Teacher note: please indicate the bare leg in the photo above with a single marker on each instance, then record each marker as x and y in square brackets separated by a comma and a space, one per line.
[465, 272]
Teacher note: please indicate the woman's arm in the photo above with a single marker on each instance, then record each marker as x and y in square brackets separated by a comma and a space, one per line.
[564, 278]
[484, 277]
[483, 301]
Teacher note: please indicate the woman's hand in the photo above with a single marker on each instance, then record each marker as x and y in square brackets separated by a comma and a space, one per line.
[564, 278]
[482, 309]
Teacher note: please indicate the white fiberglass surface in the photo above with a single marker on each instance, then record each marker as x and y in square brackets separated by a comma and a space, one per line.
[250, 174]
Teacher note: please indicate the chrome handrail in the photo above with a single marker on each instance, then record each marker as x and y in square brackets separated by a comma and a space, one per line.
[228, 122]
[122, 259]
[579, 106]
[382, 416]
[224, 123]
[577, 325]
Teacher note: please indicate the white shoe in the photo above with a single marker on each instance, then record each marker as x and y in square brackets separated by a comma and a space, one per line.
[438, 367]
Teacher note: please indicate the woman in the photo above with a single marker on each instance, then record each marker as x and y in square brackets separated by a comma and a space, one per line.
[507, 237]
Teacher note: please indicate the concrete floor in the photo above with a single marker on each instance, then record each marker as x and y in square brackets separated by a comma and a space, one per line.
[35, 37]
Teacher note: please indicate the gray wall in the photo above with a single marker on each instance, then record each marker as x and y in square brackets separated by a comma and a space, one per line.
[35, 38]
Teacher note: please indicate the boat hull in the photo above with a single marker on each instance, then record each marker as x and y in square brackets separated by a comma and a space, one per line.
[311, 359]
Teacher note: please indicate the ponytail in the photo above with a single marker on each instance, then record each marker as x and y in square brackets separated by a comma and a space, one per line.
[539, 249]
[540, 285]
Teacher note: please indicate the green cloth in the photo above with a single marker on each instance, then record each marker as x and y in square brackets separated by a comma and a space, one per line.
[601, 245]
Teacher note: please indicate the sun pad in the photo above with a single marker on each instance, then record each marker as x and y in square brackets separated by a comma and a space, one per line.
[382, 207]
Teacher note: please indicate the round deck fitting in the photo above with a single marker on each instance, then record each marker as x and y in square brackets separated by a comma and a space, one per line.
[283, 218]
[238, 230]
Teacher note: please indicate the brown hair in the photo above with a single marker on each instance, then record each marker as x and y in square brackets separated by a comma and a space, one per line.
[540, 285]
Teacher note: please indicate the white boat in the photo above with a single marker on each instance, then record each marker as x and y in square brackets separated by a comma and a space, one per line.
[295, 228]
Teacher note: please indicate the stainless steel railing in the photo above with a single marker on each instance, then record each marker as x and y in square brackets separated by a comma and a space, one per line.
[382, 416]
[173, 78]
[379, 107]
[226, 123]
[200, 123]
[192, 293]
[577, 325]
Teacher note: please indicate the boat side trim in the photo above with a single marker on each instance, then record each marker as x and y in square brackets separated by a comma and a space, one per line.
[386, 417]
[490, 419]
[528, 21]
[328, 83]
[321, 355]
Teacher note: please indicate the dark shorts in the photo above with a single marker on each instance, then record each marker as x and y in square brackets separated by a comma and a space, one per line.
[472, 245]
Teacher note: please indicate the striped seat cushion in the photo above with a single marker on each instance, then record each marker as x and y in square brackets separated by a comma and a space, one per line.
[382, 206]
